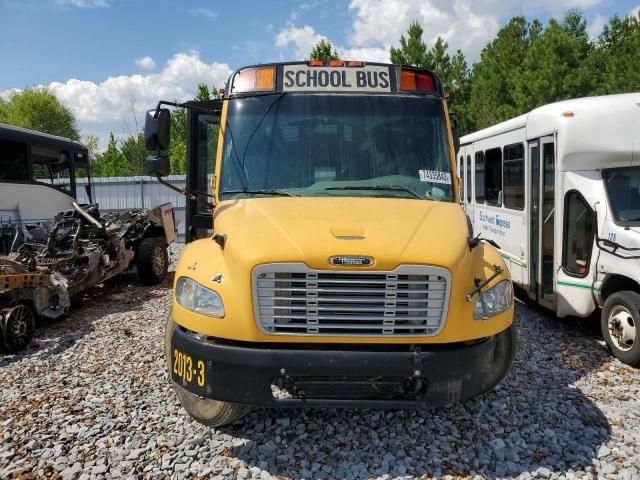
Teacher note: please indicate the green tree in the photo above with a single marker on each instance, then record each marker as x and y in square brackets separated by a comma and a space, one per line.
[134, 151]
[323, 50]
[553, 69]
[496, 75]
[110, 162]
[39, 109]
[452, 71]
[412, 50]
[619, 45]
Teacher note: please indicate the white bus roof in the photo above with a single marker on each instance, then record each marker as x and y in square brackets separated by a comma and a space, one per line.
[593, 132]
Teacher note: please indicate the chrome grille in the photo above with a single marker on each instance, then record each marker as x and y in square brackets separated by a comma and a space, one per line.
[293, 299]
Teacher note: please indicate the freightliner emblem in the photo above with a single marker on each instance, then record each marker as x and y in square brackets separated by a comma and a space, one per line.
[351, 261]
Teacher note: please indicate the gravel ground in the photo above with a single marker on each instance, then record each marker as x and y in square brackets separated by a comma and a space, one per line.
[91, 399]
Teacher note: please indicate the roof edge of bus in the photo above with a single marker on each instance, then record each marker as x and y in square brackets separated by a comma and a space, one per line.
[26, 134]
[559, 107]
[440, 86]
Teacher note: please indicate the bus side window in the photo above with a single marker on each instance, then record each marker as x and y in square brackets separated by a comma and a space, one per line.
[14, 163]
[493, 176]
[578, 235]
[469, 179]
[462, 178]
[479, 183]
[514, 176]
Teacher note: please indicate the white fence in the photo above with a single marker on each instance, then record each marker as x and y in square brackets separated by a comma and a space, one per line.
[123, 193]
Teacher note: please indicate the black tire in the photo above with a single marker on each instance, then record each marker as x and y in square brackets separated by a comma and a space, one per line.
[152, 260]
[212, 413]
[18, 325]
[620, 324]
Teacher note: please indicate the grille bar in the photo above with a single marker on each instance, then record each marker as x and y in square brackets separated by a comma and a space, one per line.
[296, 300]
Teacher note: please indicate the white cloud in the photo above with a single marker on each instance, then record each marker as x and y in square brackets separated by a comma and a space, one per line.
[302, 38]
[111, 105]
[595, 26]
[635, 12]
[146, 62]
[463, 24]
[204, 12]
[85, 3]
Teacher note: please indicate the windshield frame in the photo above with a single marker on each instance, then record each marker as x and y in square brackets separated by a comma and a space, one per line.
[363, 193]
[614, 216]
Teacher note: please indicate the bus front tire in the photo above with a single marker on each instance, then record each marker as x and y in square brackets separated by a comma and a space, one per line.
[620, 324]
[212, 413]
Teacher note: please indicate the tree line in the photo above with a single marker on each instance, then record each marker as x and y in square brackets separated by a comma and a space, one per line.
[525, 66]
[528, 65]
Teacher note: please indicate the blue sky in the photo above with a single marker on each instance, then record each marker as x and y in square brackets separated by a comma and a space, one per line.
[111, 59]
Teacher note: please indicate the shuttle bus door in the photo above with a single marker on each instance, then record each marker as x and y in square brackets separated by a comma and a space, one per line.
[202, 143]
[542, 221]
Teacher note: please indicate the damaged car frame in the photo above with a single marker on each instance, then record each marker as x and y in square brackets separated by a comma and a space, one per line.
[79, 251]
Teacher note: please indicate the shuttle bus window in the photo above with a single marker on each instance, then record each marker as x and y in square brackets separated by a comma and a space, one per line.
[578, 235]
[623, 190]
[514, 176]
[51, 166]
[14, 163]
[479, 183]
[469, 179]
[462, 182]
[493, 177]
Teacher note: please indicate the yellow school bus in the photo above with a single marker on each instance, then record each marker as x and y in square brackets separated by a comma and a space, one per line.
[328, 260]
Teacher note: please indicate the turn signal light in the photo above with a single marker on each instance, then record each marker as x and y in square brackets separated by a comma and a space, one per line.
[412, 81]
[260, 79]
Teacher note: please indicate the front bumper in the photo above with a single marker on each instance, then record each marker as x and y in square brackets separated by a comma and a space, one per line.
[338, 376]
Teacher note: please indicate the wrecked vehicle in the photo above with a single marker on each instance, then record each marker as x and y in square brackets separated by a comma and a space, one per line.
[80, 250]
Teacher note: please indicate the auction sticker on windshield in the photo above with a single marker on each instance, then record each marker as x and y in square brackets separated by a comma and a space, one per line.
[302, 78]
[435, 176]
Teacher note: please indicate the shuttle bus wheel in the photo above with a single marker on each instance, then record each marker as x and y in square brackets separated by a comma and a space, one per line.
[18, 325]
[212, 413]
[620, 325]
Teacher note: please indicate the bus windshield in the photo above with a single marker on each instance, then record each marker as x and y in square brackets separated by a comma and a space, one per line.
[340, 145]
[623, 189]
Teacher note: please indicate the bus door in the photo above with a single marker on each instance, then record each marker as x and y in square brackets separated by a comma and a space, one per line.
[202, 144]
[542, 216]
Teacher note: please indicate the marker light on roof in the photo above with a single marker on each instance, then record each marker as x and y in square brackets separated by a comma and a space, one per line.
[336, 63]
[316, 63]
[260, 79]
[412, 81]
[355, 64]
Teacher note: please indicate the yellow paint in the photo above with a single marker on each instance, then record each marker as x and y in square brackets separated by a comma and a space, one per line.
[280, 229]
[306, 229]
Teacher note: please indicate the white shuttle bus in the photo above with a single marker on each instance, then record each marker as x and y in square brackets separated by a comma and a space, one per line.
[558, 189]
[38, 174]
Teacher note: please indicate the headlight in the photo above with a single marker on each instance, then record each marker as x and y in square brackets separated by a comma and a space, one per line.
[195, 297]
[496, 300]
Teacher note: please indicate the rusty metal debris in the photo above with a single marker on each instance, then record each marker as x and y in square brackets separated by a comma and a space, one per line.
[79, 250]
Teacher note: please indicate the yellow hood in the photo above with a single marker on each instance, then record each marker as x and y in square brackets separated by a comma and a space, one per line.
[313, 229]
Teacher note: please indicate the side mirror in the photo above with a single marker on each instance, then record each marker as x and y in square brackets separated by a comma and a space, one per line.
[157, 165]
[455, 133]
[157, 134]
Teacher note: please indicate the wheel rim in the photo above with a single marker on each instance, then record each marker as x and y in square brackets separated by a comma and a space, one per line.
[20, 325]
[622, 328]
[158, 261]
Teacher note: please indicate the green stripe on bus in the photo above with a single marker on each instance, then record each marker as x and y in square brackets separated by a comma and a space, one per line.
[507, 257]
[578, 285]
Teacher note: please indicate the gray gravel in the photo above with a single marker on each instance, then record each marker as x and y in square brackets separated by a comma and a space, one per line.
[91, 399]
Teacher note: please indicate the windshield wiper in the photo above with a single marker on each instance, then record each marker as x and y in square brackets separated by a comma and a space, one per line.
[396, 188]
[280, 193]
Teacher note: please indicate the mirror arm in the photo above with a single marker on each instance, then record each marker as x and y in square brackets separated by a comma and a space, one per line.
[181, 191]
